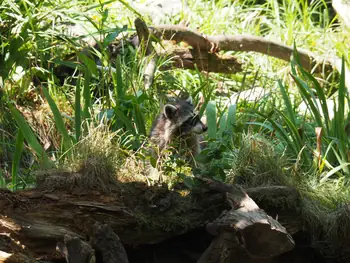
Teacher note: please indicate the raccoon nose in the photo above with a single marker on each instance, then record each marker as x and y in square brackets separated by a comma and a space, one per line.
[205, 128]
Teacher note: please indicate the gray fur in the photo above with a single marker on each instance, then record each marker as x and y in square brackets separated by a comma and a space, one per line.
[178, 123]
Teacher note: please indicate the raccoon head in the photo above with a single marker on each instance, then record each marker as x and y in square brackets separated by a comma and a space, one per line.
[183, 118]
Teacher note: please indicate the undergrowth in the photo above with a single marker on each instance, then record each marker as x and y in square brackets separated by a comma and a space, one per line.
[91, 113]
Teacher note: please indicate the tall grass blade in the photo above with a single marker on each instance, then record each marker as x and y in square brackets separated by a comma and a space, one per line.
[89, 64]
[58, 120]
[87, 95]
[296, 138]
[130, 8]
[77, 111]
[340, 117]
[2, 180]
[306, 95]
[287, 102]
[30, 137]
[279, 130]
[128, 123]
[334, 170]
[16, 159]
[319, 91]
[119, 80]
[321, 96]
[139, 119]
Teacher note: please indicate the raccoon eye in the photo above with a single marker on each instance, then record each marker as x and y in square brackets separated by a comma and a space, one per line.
[192, 120]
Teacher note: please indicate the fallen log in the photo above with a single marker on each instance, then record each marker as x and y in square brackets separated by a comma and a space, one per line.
[245, 43]
[204, 45]
[44, 218]
[202, 51]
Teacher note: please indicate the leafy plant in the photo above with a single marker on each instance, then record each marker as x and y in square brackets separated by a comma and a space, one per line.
[334, 130]
[213, 160]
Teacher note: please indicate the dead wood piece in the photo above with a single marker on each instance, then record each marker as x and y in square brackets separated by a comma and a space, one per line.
[12, 251]
[183, 34]
[261, 45]
[151, 55]
[226, 248]
[245, 43]
[101, 206]
[76, 251]
[38, 235]
[40, 222]
[204, 61]
[144, 36]
[15, 258]
[259, 234]
[281, 202]
[108, 245]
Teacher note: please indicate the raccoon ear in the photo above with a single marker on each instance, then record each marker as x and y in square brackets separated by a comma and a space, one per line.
[189, 100]
[169, 111]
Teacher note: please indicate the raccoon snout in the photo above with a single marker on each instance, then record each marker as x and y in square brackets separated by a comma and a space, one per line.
[200, 128]
[205, 128]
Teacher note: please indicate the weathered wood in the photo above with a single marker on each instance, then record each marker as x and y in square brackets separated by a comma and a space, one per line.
[76, 250]
[147, 49]
[51, 216]
[257, 233]
[108, 246]
[137, 214]
[16, 258]
[226, 248]
[247, 43]
[210, 62]
[12, 251]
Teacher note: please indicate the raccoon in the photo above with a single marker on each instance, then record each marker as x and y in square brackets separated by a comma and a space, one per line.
[179, 125]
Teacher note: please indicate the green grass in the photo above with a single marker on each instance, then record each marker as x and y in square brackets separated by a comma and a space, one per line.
[95, 121]
[35, 47]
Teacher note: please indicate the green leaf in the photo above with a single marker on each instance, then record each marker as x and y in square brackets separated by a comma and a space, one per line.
[110, 38]
[231, 118]
[89, 63]
[211, 119]
[153, 161]
[128, 123]
[222, 124]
